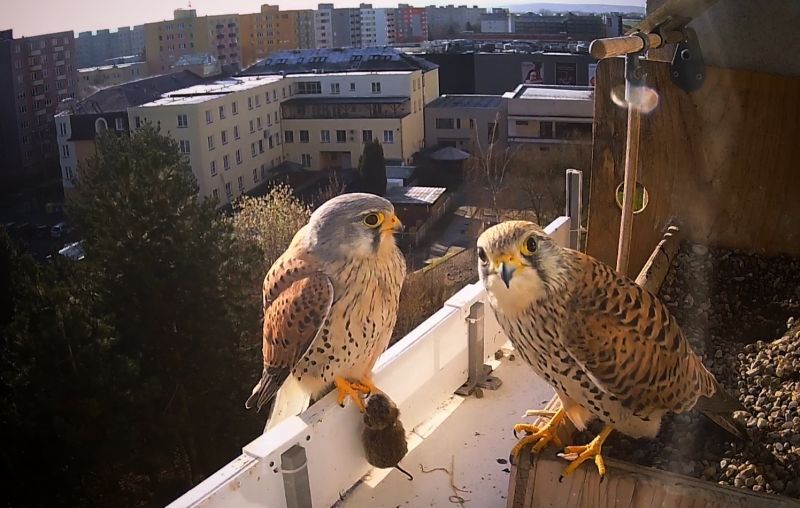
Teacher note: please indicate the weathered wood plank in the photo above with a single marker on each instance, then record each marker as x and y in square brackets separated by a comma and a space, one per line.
[722, 160]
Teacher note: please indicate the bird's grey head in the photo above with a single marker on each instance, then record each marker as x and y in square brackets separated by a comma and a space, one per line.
[354, 225]
[517, 262]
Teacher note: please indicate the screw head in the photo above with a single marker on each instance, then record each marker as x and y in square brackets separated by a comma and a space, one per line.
[686, 54]
[699, 77]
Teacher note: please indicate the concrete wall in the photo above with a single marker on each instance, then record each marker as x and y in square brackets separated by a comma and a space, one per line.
[758, 35]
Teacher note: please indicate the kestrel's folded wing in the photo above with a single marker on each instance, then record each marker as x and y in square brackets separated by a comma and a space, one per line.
[297, 301]
[631, 347]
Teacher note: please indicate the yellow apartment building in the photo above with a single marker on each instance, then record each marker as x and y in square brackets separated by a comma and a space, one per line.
[229, 130]
[186, 34]
[266, 32]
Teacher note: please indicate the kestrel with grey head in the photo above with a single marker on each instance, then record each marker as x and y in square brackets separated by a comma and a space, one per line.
[330, 305]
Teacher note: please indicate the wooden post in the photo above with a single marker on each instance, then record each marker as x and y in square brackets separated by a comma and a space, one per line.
[631, 167]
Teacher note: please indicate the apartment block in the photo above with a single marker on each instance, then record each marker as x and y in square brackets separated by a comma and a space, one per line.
[36, 75]
[186, 33]
[323, 26]
[97, 48]
[92, 79]
[377, 26]
[229, 130]
[78, 126]
[304, 27]
[332, 115]
[449, 20]
[411, 24]
[266, 32]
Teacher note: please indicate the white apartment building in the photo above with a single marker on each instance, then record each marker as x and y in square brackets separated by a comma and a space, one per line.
[229, 130]
[323, 26]
[330, 116]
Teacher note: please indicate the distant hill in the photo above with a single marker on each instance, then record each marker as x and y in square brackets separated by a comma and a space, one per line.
[592, 8]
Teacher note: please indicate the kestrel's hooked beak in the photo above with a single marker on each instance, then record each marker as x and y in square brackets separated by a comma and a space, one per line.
[505, 268]
[391, 224]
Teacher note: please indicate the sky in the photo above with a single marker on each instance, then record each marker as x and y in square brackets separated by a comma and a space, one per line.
[34, 17]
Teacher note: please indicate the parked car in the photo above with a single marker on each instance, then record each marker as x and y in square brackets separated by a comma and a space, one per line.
[59, 230]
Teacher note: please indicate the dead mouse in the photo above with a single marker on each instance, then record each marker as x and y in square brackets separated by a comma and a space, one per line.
[383, 436]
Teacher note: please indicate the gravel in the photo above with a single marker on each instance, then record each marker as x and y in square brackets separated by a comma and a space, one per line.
[741, 312]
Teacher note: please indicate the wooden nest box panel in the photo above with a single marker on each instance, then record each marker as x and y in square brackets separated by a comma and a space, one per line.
[722, 161]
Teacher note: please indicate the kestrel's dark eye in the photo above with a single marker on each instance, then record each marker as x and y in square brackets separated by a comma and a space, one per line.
[482, 255]
[529, 247]
[373, 220]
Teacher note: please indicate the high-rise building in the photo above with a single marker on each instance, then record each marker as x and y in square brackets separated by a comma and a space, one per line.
[323, 26]
[266, 32]
[377, 26]
[95, 49]
[448, 21]
[36, 74]
[166, 41]
[304, 27]
[411, 24]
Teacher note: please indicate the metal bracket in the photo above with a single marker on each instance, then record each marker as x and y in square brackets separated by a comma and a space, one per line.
[294, 469]
[688, 67]
[478, 372]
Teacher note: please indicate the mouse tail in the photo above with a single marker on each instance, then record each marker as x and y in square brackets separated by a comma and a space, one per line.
[400, 468]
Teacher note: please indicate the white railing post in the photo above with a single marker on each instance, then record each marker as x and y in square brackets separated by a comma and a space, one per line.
[574, 204]
[478, 373]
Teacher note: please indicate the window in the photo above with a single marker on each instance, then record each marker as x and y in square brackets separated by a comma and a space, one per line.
[209, 119]
[255, 175]
[444, 123]
[376, 87]
[65, 151]
[184, 146]
[235, 132]
[263, 171]
[275, 115]
[221, 112]
[138, 122]
[249, 103]
[260, 146]
[269, 139]
[366, 136]
[253, 150]
[224, 137]
[183, 121]
[288, 136]
[352, 87]
[238, 156]
[306, 160]
[258, 123]
[325, 136]
[334, 88]
[68, 172]
[240, 181]
[269, 119]
[304, 136]
[226, 162]
[546, 130]
[458, 123]
[235, 108]
[309, 87]
[471, 123]
[258, 101]
[213, 168]
[62, 128]
[275, 95]
[341, 136]
[252, 127]
[228, 190]
[388, 137]
[215, 194]
[211, 142]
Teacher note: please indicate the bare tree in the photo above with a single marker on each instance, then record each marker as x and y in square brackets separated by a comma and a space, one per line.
[332, 188]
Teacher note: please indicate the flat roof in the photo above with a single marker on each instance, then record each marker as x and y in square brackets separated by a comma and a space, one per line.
[578, 93]
[346, 100]
[467, 101]
[110, 66]
[414, 195]
[209, 91]
[346, 73]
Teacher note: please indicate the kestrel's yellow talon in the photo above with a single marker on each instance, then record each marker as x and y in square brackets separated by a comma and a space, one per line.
[544, 413]
[541, 436]
[581, 453]
[366, 386]
[347, 389]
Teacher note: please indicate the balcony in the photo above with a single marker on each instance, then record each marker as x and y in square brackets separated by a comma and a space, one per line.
[316, 458]
[345, 107]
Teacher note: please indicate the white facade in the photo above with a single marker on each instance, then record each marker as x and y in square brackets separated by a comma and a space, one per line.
[550, 114]
[230, 131]
[384, 23]
[495, 24]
